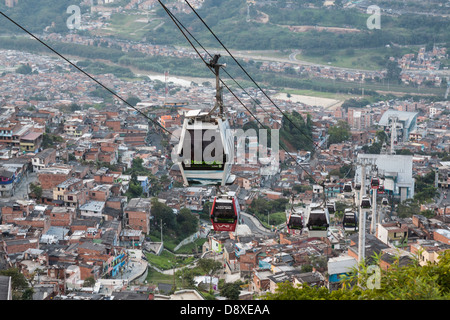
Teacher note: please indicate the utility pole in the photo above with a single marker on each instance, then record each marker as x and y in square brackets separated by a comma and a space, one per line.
[436, 177]
[161, 232]
[362, 218]
[166, 74]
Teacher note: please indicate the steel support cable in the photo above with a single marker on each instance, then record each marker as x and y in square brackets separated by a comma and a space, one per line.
[85, 73]
[251, 78]
[179, 26]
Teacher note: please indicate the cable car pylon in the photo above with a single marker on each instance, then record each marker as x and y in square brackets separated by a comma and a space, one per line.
[363, 163]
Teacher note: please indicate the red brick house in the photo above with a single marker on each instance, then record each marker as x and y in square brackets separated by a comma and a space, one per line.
[62, 216]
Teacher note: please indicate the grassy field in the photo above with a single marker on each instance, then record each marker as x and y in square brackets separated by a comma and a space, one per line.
[128, 26]
[320, 94]
[155, 277]
[364, 59]
[167, 260]
[383, 87]
[274, 219]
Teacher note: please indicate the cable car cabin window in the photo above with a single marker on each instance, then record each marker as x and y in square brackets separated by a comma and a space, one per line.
[350, 220]
[331, 208]
[295, 223]
[317, 221]
[211, 156]
[375, 183]
[365, 203]
[223, 213]
[347, 187]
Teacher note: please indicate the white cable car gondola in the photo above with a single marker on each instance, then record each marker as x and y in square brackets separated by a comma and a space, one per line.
[205, 151]
[384, 202]
[348, 187]
[350, 221]
[318, 221]
[294, 223]
[331, 206]
[365, 202]
[225, 213]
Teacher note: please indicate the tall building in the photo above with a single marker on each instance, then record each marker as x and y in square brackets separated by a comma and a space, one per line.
[359, 118]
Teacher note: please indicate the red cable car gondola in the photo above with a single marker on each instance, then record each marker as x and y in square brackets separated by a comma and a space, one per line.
[225, 213]
[375, 183]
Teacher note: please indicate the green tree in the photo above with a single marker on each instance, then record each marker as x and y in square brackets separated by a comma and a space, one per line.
[381, 136]
[24, 69]
[408, 281]
[393, 71]
[187, 276]
[19, 284]
[89, 282]
[134, 190]
[133, 100]
[209, 267]
[339, 132]
[162, 212]
[231, 290]
[424, 187]
[137, 168]
[72, 157]
[36, 190]
[187, 223]
[296, 131]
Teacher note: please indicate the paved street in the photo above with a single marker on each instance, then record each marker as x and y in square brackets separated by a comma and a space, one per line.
[254, 224]
[21, 191]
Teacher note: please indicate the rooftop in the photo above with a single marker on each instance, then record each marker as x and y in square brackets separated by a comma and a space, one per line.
[93, 206]
[138, 204]
[404, 116]
[68, 182]
[31, 136]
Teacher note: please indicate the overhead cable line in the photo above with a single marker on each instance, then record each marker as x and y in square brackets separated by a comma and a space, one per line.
[85, 73]
[180, 27]
[250, 77]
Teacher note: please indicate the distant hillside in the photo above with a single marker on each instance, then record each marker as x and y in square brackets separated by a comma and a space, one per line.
[36, 15]
[228, 19]
[279, 25]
